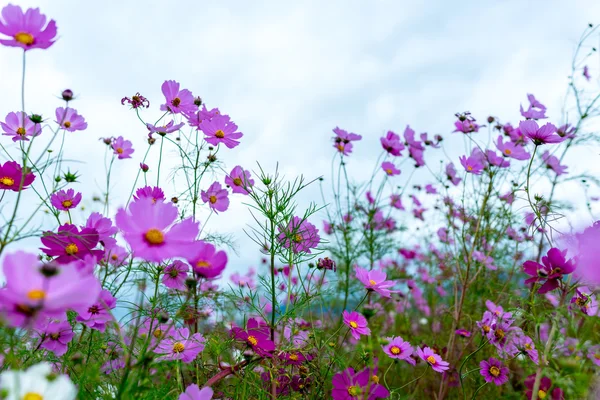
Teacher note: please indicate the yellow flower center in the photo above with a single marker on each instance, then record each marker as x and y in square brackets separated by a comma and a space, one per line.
[252, 340]
[21, 131]
[176, 101]
[340, 147]
[431, 360]
[212, 199]
[26, 39]
[372, 282]
[114, 257]
[71, 249]
[389, 171]
[33, 396]
[119, 150]
[67, 124]
[486, 328]
[581, 301]
[237, 182]
[507, 152]
[203, 264]
[297, 238]
[353, 324]
[494, 371]
[67, 203]
[36, 294]
[173, 273]
[375, 379]
[469, 168]
[157, 333]
[541, 394]
[55, 336]
[353, 390]
[154, 236]
[395, 350]
[499, 334]
[294, 357]
[220, 134]
[178, 347]
[6, 181]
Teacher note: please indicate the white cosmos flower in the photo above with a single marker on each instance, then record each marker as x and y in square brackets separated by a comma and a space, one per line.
[33, 384]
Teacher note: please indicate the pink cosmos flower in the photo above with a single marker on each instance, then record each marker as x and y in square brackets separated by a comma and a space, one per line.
[116, 256]
[451, 174]
[300, 235]
[220, 129]
[180, 345]
[216, 197]
[430, 357]
[149, 229]
[586, 73]
[357, 324]
[98, 314]
[593, 354]
[417, 155]
[526, 345]
[589, 254]
[495, 159]
[70, 244]
[466, 126]
[195, 118]
[150, 192]
[69, 120]
[512, 150]
[350, 385]
[239, 180]
[26, 30]
[396, 201]
[463, 333]
[122, 148]
[399, 349]
[20, 127]
[389, 168]
[553, 163]
[65, 200]
[536, 109]
[35, 291]
[544, 388]
[256, 335]
[105, 229]
[555, 265]
[175, 274]
[243, 280]
[392, 144]
[193, 392]
[11, 174]
[375, 280]
[475, 163]
[55, 335]
[585, 299]
[164, 129]
[493, 370]
[206, 261]
[177, 101]
[343, 140]
[429, 189]
[136, 101]
[540, 135]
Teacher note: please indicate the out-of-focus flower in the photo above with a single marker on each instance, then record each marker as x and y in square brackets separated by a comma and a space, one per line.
[35, 384]
[27, 30]
[11, 174]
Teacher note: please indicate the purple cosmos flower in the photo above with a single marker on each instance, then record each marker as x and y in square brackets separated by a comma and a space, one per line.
[463, 333]
[177, 101]
[343, 140]
[193, 392]
[149, 192]
[11, 174]
[545, 385]
[26, 30]
[256, 335]
[392, 144]
[586, 73]
[487, 261]
[475, 163]
[374, 280]
[216, 197]
[389, 168]
[540, 135]
[71, 244]
[593, 354]
[430, 357]
[512, 150]
[34, 291]
[69, 120]
[350, 385]
[553, 163]
[495, 159]
[536, 109]
[451, 174]
[586, 301]
[20, 127]
[555, 265]
[430, 189]
[399, 349]
[116, 256]
[196, 118]
[122, 148]
[396, 201]
[526, 345]
[104, 227]
[357, 324]
[180, 345]
[466, 126]
[300, 235]
[206, 261]
[98, 314]
[136, 101]
[55, 336]
[220, 129]
[239, 180]
[148, 228]
[493, 370]
[243, 280]
[175, 274]
[164, 129]
[65, 200]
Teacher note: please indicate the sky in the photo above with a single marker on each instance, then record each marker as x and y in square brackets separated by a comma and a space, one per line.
[289, 72]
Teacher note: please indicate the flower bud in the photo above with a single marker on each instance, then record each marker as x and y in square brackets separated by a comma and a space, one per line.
[67, 95]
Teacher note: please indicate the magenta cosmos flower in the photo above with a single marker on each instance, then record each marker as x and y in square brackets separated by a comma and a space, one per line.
[216, 197]
[122, 148]
[164, 129]
[206, 261]
[177, 101]
[586, 301]
[11, 174]
[493, 370]
[104, 227]
[545, 385]
[150, 192]
[350, 385]
[149, 229]
[375, 280]
[553, 163]
[69, 120]
[34, 291]
[430, 357]
[26, 30]
[512, 150]
[70, 244]
[392, 144]
[389, 168]
[239, 180]
[475, 163]
[536, 109]
[540, 135]
[554, 266]
[586, 73]
[220, 129]
[98, 314]
[193, 392]
[175, 274]
[180, 345]
[256, 335]
[399, 349]
[357, 324]
[300, 235]
[55, 335]
[65, 200]
[343, 140]
[19, 126]
[466, 126]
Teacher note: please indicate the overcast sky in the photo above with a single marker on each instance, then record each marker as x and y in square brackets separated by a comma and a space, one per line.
[289, 72]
